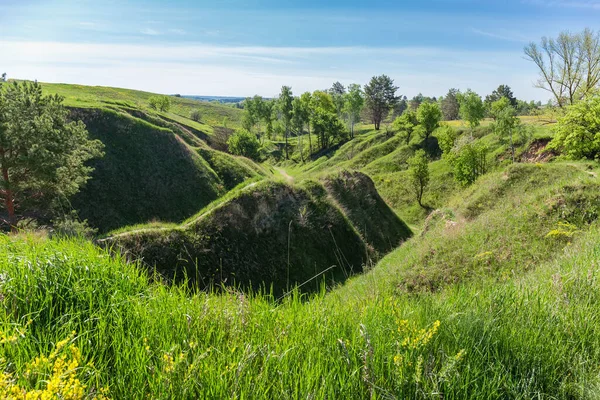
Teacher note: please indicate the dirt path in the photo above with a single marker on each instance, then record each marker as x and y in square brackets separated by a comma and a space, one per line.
[288, 178]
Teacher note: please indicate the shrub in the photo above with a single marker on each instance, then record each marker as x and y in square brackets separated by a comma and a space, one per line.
[195, 115]
[160, 103]
[578, 131]
[244, 143]
[468, 160]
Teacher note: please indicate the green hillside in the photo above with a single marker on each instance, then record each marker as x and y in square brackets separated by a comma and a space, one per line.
[498, 289]
[212, 114]
[271, 234]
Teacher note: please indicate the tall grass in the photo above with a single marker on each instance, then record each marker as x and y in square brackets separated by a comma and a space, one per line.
[530, 336]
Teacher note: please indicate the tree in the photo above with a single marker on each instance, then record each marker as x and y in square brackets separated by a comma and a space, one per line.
[578, 131]
[42, 154]
[244, 143]
[327, 126]
[195, 115]
[253, 110]
[406, 124]
[286, 108]
[502, 91]
[268, 116]
[306, 99]
[472, 108]
[446, 136]
[337, 93]
[429, 116]
[450, 106]
[506, 121]
[569, 65]
[353, 104]
[161, 103]
[380, 98]
[300, 115]
[418, 172]
[468, 159]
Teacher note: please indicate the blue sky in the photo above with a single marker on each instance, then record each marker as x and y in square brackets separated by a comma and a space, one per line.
[240, 48]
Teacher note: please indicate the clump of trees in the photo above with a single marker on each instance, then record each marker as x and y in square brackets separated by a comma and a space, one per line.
[467, 157]
[160, 103]
[43, 155]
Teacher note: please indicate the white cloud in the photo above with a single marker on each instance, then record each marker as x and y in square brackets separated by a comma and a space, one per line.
[504, 35]
[177, 31]
[149, 31]
[242, 71]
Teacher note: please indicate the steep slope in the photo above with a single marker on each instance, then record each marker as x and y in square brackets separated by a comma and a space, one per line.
[272, 234]
[148, 172]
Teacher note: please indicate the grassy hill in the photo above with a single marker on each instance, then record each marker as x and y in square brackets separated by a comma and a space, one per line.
[495, 299]
[158, 166]
[495, 295]
[272, 234]
[212, 114]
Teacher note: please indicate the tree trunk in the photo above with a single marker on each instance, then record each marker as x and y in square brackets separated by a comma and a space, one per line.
[309, 141]
[512, 147]
[286, 143]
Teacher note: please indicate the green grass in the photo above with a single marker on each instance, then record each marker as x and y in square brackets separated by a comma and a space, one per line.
[212, 114]
[147, 173]
[273, 235]
[509, 331]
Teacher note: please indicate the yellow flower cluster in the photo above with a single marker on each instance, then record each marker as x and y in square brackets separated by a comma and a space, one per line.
[415, 338]
[56, 373]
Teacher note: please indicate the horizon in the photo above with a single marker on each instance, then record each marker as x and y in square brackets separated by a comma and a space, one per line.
[241, 48]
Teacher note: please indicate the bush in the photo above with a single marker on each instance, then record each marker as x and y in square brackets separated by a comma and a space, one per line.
[195, 115]
[244, 143]
[468, 160]
[578, 131]
[160, 103]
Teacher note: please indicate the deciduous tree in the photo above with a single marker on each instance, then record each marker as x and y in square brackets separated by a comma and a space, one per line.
[353, 103]
[285, 107]
[569, 65]
[418, 171]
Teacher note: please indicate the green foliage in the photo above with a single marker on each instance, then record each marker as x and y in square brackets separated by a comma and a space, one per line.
[244, 143]
[502, 92]
[578, 131]
[418, 172]
[472, 108]
[450, 106]
[446, 136]
[380, 98]
[196, 115]
[327, 127]
[429, 116]
[43, 156]
[506, 121]
[405, 125]
[469, 160]
[353, 104]
[160, 103]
